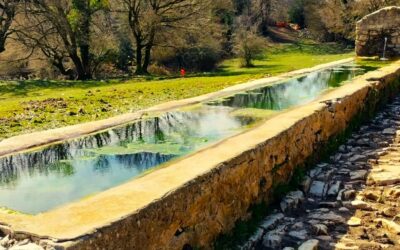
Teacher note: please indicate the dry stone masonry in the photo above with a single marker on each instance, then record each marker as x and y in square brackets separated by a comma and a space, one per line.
[372, 30]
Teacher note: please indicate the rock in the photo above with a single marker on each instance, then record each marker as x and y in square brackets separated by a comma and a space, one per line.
[288, 248]
[344, 246]
[320, 229]
[348, 194]
[390, 176]
[356, 158]
[314, 172]
[298, 226]
[358, 175]
[354, 222]
[340, 195]
[318, 188]
[331, 216]
[372, 195]
[5, 241]
[272, 221]
[390, 226]
[30, 246]
[299, 235]
[272, 240]
[389, 131]
[357, 204]
[24, 242]
[325, 238]
[325, 175]
[309, 245]
[257, 237]
[305, 185]
[344, 210]
[292, 201]
[389, 212]
[334, 189]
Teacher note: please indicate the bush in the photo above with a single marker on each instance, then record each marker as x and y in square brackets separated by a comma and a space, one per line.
[155, 69]
[193, 59]
[248, 46]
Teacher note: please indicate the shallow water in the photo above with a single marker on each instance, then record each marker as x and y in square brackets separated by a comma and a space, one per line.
[40, 180]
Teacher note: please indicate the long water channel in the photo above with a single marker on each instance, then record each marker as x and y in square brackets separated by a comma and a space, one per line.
[37, 181]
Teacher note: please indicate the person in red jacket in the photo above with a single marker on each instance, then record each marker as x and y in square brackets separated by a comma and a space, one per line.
[183, 72]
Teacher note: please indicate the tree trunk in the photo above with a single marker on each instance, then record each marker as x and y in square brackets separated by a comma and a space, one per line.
[2, 47]
[139, 59]
[84, 47]
[80, 71]
[147, 58]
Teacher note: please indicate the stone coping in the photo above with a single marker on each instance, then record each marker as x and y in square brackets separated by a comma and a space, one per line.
[75, 220]
[37, 139]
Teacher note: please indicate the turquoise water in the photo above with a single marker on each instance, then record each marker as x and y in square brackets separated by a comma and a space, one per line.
[41, 180]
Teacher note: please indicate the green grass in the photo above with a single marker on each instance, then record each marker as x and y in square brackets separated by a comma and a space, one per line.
[27, 106]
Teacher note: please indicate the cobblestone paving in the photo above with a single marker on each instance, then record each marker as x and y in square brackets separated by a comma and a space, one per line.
[350, 202]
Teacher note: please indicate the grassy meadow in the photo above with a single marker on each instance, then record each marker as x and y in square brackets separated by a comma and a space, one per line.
[27, 106]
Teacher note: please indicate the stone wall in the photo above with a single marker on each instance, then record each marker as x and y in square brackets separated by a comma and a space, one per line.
[196, 213]
[372, 30]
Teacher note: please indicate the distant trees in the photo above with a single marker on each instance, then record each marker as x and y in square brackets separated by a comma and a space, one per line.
[336, 18]
[7, 15]
[297, 12]
[149, 19]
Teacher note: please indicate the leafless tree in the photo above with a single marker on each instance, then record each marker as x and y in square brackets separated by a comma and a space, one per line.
[7, 15]
[148, 19]
[61, 29]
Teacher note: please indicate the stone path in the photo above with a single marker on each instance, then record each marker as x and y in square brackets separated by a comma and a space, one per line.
[9, 243]
[350, 202]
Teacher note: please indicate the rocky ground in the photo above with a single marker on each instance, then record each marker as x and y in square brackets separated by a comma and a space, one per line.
[9, 243]
[350, 202]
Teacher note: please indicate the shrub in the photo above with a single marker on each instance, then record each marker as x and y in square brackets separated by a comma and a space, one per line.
[193, 59]
[155, 69]
[248, 45]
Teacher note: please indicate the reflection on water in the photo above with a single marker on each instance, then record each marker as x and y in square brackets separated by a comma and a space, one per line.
[37, 181]
[295, 91]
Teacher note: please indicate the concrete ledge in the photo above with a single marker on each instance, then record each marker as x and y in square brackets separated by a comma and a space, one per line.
[37, 139]
[193, 200]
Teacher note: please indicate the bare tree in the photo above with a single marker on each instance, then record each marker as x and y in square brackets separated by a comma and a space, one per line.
[61, 29]
[148, 19]
[7, 15]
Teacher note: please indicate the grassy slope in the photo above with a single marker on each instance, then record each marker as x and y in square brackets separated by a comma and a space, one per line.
[36, 105]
